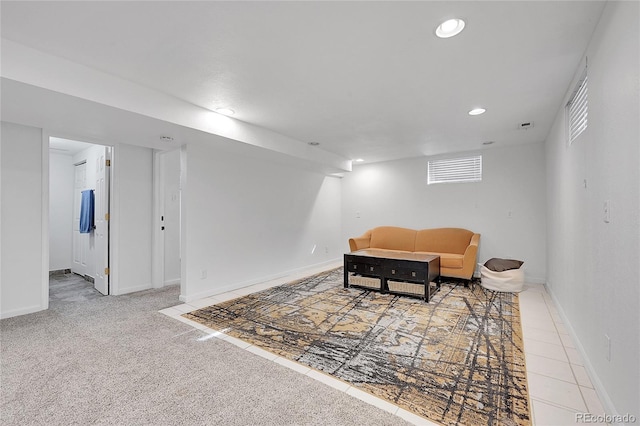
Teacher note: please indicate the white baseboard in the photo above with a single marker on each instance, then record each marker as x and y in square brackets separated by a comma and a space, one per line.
[132, 289]
[309, 269]
[22, 311]
[534, 280]
[172, 282]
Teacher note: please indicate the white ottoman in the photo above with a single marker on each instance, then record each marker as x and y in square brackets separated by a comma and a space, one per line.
[511, 280]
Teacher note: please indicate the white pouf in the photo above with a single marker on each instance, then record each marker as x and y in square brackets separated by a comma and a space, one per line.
[511, 280]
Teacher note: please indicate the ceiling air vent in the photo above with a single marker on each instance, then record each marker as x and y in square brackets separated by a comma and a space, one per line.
[526, 125]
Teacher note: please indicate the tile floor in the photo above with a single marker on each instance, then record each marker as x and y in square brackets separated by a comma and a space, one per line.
[559, 386]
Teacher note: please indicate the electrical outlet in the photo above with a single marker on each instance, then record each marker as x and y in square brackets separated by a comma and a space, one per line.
[203, 274]
[326, 250]
[607, 347]
[357, 215]
[607, 211]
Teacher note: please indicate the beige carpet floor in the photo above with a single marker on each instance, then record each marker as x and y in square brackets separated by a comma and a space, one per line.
[115, 360]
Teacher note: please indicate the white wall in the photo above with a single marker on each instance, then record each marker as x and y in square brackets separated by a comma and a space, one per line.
[396, 193]
[61, 179]
[22, 231]
[170, 164]
[593, 265]
[131, 218]
[247, 220]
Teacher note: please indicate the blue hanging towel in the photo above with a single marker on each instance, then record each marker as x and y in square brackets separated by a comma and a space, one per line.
[86, 211]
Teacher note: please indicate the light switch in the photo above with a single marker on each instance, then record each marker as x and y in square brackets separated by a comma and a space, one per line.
[607, 211]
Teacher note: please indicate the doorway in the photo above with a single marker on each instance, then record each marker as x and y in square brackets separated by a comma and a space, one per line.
[79, 203]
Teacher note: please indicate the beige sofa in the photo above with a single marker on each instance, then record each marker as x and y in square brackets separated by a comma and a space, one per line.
[457, 248]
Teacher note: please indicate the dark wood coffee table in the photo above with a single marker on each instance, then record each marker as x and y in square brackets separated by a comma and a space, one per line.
[410, 274]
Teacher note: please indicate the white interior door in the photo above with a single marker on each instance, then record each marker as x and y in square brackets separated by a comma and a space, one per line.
[103, 162]
[80, 241]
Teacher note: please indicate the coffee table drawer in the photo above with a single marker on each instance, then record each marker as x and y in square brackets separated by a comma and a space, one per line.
[364, 267]
[403, 273]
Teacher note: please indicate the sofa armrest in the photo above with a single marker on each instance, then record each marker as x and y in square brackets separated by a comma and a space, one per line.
[359, 243]
[470, 256]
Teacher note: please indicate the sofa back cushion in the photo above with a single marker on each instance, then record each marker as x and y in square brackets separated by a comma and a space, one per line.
[393, 238]
[443, 240]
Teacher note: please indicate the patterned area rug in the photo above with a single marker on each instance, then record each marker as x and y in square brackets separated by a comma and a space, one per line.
[457, 360]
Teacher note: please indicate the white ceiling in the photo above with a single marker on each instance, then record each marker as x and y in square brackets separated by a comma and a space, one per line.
[67, 146]
[365, 79]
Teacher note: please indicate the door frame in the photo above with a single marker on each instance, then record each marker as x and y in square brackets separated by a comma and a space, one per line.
[158, 236]
[113, 219]
[80, 270]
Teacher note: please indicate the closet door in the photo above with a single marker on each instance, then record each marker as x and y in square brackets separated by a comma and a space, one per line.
[103, 163]
[80, 241]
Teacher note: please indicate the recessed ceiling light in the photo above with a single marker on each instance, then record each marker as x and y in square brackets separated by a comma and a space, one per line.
[450, 28]
[225, 111]
[359, 160]
[488, 143]
[314, 143]
[477, 111]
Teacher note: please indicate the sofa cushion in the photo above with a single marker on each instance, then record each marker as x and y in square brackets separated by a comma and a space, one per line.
[448, 260]
[443, 240]
[393, 238]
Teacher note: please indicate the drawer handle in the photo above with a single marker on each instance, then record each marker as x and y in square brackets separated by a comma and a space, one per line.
[413, 274]
[371, 268]
[393, 271]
